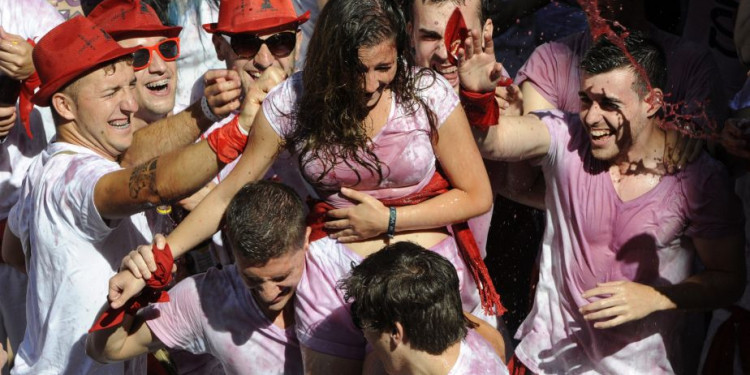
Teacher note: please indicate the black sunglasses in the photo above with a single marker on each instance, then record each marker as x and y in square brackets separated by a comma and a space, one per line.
[246, 46]
[168, 49]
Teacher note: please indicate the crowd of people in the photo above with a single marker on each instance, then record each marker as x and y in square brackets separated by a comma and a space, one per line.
[339, 160]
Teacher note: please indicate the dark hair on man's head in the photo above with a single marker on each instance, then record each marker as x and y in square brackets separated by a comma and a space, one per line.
[331, 111]
[407, 284]
[408, 7]
[264, 221]
[605, 56]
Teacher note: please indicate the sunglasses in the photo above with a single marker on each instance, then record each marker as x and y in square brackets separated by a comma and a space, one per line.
[246, 46]
[168, 50]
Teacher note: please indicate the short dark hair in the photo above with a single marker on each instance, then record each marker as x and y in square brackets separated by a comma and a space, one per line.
[265, 220]
[605, 56]
[408, 284]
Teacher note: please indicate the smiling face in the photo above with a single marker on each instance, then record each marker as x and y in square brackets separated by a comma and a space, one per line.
[273, 284]
[428, 27]
[156, 84]
[101, 104]
[614, 115]
[250, 69]
[379, 65]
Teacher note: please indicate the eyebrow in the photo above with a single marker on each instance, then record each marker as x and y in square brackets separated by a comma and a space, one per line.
[430, 33]
[259, 280]
[582, 94]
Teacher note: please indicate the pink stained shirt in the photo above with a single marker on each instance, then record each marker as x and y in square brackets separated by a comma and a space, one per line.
[592, 236]
[403, 145]
[477, 357]
[215, 313]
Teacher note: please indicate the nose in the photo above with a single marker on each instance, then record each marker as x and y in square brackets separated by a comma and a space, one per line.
[591, 114]
[268, 291]
[440, 51]
[372, 83]
[128, 104]
[157, 66]
[263, 59]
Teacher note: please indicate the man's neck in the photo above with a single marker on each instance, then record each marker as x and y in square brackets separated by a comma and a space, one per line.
[423, 363]
[281, 319]
[645, 153]
[69, 133]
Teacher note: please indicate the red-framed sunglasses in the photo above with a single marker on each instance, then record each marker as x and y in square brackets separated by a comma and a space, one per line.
[168, 50]
[246, 46]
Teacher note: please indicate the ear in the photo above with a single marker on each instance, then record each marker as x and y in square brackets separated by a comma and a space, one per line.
[308, 230]
[298, 45]
[397, 334]
[220, 45]
[488, 27]
[654, 101]
[64, 106]
[412, 38]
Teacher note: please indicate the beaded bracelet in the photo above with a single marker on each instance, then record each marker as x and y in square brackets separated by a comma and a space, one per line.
[391, 223]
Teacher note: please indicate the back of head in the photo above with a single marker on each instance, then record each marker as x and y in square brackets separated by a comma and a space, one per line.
[264, 220]
[636, 52]
[415, 287]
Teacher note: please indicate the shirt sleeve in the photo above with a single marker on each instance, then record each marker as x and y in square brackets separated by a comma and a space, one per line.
[179, 322]
[38, 18]
[437, 94]
[556, 122]
[73, 194]
[279, 104]
[542, 70]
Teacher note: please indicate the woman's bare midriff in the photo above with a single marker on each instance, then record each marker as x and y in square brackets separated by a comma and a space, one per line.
[425, 238]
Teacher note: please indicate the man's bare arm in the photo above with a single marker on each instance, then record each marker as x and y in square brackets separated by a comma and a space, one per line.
[222, 94]
[167, 178]
[129, 339]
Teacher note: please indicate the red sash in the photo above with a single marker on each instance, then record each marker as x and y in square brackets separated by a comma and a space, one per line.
[464, 238]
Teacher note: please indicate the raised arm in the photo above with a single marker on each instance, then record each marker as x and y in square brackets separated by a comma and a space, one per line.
[515, 138]
[222, 94]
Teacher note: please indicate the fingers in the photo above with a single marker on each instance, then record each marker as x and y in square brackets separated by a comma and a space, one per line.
[489, 46]
[621, 319]
[123, 287]
[337, 224]
[160, 242]
[605, 313]
[356, 196]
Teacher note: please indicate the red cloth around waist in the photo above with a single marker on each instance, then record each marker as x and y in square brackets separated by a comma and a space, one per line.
[464, 238]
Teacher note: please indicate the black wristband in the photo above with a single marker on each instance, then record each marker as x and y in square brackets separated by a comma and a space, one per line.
[391, 223]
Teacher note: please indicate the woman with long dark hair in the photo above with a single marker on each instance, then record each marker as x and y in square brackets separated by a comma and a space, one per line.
[368, 129]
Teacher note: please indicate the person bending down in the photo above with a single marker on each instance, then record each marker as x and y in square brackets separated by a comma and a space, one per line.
[243, 313]
[407, 302]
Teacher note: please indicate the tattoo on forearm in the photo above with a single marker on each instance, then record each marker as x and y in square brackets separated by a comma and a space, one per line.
[143, 176]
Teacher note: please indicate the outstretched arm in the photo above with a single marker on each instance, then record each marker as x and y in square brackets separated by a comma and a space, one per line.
[222, 93]
[262, 147]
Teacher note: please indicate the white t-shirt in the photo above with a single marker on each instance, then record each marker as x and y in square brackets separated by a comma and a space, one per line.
[215, 313]
[30, 19]
[477, 357]
[71, 253]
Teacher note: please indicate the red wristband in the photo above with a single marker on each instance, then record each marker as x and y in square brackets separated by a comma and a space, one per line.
[154, 291]
[25, 106]
[228, 142]
[481, 109]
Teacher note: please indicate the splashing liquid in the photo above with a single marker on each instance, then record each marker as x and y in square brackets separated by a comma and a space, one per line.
[689, 119]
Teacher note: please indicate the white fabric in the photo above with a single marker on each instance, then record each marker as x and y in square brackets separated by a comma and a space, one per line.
[18, 150]
[71, 252]
[216, 313]
[477, 357]
[197, 52]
